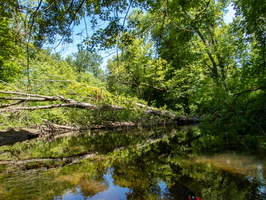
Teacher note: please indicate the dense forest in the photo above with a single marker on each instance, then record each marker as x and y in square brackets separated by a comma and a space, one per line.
[98, 97]
[169, 59]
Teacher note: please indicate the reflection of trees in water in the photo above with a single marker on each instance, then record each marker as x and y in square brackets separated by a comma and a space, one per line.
[143, 160]
[261, 179]
[171, 159]
[206, 181]
[90, 188]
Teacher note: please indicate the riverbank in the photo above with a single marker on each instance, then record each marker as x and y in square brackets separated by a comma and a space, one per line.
[13, 135]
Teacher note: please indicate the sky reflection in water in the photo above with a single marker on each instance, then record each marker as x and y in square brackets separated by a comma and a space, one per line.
[114, 192]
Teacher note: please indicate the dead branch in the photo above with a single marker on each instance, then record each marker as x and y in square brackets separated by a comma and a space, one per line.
[151, 110]
[29, 95]
[36, 97]
[30, 98]
[57, 126]
[10, 104]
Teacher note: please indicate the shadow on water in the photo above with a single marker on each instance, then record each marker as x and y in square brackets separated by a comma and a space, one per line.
[12, 136]
[140, 164]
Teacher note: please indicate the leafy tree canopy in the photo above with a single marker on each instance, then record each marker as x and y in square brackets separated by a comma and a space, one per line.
[84, 61]
[8, 50]
[174, 53]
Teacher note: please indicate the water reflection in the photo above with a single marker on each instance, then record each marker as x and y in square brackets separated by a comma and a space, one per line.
[233, 162]
[164, 191]
[113, 192]
[261, 179]
[248, 165]
[211, 177]
[143, 164]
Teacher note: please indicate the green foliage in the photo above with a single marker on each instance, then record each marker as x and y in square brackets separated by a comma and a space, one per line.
[49, 75]
[8, 52]
[179, 55]
[135, 72]
[207, 68]
[86, 63]
[253, 13]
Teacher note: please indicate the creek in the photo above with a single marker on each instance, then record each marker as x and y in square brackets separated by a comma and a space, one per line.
[131, 164]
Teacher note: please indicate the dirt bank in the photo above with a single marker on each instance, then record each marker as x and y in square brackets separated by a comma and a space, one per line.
[13, 135]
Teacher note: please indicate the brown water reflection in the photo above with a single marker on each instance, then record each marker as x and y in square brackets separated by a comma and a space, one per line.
[233, 162]
[253, 167]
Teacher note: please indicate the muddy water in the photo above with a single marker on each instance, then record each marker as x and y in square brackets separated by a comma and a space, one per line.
[139, 164]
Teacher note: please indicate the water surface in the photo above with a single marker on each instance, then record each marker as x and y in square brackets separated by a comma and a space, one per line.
[132, 164]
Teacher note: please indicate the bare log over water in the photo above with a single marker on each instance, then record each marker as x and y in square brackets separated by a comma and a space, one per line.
[59, 101]
[65, 102]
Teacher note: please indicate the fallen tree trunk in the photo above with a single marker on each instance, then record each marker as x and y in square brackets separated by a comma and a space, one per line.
[66, 102]
[69, 105]
[65, 160]
[62, 102]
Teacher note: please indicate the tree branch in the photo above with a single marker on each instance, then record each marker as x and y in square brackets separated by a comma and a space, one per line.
[70, 105]
[11, 104]
[72, 20]
[243, 92]
[250, 90]
[30, 97]
[214, 64]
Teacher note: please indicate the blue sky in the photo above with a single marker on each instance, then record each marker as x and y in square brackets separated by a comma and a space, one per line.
[230, 14]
